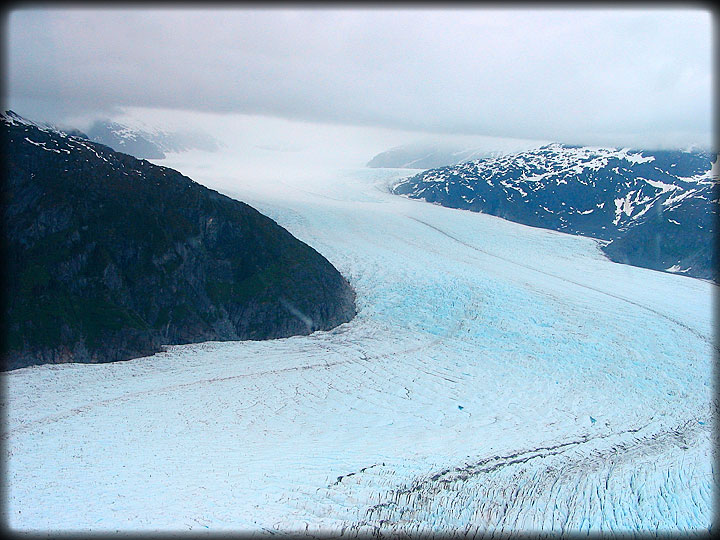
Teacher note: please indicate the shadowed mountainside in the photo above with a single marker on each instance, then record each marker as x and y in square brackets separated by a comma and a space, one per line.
[109, 258]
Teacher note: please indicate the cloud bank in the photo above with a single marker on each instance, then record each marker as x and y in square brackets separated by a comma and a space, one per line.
[586, 76]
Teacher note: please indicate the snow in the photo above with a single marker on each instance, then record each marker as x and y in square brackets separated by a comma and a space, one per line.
[461, 397]
[622, 206]
[660, 185]
[634, 157]
[507, 184]
[676, 198]
[677, 268]
[42, 146]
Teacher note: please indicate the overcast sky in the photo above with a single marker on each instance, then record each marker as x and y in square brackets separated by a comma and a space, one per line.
[582, 76]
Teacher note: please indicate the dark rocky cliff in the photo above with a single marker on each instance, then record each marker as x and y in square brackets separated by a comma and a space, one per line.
[108, 257]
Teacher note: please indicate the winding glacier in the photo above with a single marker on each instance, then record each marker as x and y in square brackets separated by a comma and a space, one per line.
[497, 377]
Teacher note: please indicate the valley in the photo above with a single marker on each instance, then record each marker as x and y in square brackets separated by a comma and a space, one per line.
[497, 377]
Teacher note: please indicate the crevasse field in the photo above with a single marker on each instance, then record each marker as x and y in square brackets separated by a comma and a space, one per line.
[497, 377]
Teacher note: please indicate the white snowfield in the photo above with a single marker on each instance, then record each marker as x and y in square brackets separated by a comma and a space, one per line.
[497, 377]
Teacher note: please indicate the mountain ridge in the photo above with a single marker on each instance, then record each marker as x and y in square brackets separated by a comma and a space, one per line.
[144, 143]
[657, 209]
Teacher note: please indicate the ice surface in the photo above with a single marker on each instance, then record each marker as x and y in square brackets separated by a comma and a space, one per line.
[497, 377]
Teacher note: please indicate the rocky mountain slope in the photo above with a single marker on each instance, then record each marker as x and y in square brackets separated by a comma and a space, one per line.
[656, 209]
[109, 257]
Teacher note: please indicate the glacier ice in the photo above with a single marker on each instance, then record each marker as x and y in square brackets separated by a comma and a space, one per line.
[497, 377]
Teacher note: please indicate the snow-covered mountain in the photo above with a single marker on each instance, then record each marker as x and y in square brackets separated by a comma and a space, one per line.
[147, 143]
[658, 209]
[131, 136]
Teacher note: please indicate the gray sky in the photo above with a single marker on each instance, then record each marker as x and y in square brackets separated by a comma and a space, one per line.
[638, 77]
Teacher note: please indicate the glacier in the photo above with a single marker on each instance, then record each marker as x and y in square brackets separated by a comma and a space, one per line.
[497, 378]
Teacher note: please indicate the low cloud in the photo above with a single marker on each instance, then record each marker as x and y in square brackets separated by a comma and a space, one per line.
[587, 76]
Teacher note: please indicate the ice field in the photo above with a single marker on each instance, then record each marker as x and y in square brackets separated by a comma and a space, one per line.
[497, 377]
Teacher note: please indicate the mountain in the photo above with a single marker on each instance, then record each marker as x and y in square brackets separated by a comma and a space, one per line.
[433, 154]
[109, 257]
[146, 144]
[656, 209]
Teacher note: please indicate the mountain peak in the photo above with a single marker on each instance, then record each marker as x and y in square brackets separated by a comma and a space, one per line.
[12, 118]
